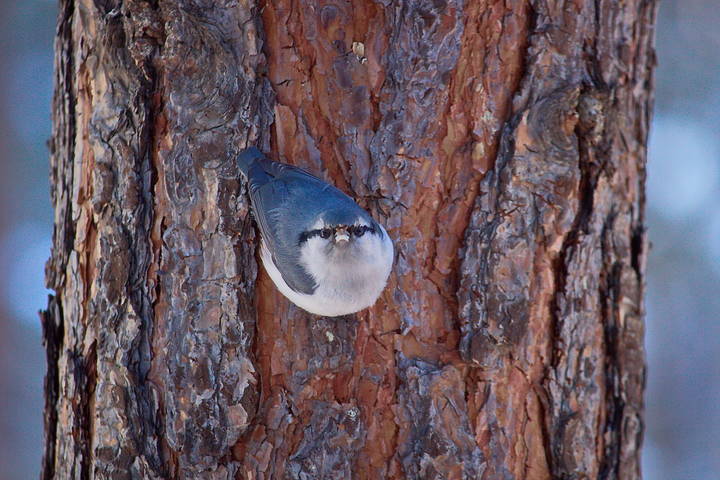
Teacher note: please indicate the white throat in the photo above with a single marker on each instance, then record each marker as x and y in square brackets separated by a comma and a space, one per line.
[349, 277]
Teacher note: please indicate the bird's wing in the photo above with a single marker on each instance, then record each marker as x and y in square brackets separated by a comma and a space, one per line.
[279, 231]
[273, 188]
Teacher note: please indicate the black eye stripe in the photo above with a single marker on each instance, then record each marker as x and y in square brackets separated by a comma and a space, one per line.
[357, 230]
[305, 236]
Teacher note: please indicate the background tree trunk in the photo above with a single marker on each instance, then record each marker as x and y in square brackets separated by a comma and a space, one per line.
[503, 145]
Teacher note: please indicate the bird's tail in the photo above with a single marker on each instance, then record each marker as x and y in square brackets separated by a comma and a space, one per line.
[247, 159]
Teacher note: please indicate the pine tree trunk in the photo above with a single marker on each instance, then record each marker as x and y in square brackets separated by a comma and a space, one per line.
[501, 143]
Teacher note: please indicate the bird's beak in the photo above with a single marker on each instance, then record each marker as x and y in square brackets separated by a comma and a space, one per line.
[341, 235]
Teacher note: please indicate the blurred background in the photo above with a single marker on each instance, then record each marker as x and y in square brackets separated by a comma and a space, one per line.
[682, 440]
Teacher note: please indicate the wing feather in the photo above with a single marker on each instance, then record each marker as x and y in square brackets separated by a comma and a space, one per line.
[272, 187]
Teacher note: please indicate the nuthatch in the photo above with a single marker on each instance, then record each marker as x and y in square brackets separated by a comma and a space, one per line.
[322, 251]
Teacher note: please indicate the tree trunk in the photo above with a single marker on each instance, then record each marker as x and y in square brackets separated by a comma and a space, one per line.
[501, 143]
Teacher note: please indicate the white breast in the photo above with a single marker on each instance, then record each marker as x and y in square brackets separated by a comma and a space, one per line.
[348, 280]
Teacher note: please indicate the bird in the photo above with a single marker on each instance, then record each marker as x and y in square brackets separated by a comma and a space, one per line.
[322, 251]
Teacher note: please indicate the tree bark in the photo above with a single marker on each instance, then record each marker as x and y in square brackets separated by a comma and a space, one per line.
[501, 143]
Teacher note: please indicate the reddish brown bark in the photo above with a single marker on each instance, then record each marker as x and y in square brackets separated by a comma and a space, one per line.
[501, 143]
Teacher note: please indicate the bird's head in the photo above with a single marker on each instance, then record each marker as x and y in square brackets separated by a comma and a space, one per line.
[341, 236]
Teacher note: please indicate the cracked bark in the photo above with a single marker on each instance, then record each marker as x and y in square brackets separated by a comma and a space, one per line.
[503, 145]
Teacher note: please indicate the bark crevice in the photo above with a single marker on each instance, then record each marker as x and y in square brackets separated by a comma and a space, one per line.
[52, 334]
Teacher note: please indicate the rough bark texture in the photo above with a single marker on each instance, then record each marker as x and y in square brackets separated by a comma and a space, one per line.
[501, 143]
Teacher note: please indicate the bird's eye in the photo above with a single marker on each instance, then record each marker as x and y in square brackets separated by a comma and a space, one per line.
[359, 230]
[325, 233]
